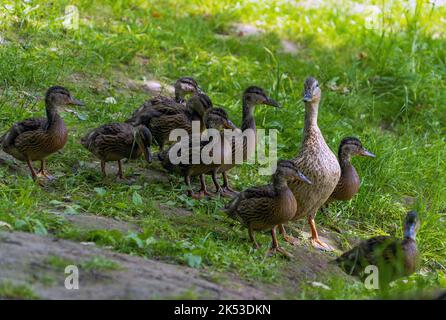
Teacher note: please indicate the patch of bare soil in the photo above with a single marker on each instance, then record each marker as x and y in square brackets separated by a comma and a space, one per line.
[24, 260]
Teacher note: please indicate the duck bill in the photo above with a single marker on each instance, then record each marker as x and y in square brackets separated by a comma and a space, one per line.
[300, 176]
[272, 103]
[367, 153]
[230, 125]
[76, 102]
[147, 154]
[199, 90]
[308, 97]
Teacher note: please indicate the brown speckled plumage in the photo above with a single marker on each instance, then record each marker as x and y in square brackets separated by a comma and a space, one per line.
[265, 207]
[394, 258]
[36, 139]
[116, 141]
[316, 161]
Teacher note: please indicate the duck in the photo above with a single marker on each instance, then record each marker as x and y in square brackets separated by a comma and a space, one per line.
[394, 257]
[265, 207]
[116, 141]
[215, 119]
[161, 123]
[252, 97]
[349, 182]
[316, 161]
[36, 139]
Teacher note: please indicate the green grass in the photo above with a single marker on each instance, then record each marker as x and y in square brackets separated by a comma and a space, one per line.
[12, 291]
[96, 264]
[386, 86]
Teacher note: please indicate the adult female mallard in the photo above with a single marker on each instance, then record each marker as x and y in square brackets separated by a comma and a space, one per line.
[36, 139]
[348, 184]
[194, 165]
[265, 207]
[394, 258]
[317, 162]
[252, 96]
[116, 141]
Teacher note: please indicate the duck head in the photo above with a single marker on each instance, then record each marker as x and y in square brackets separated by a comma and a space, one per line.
[199, 103]
[255, 95]
[143, 138]
[58, 96]
[312, 92]
[184, 86]
[352, 146]
[287, 169]
[411, 225]
[217, 118]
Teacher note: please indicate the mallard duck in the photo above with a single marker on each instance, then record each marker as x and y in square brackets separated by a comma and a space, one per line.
[349, 182]
[161, 123]
[317, 162]
[214, 118]
[252, 96]
[267, 206]
[116, 141]
[36, 139]
[394, 257]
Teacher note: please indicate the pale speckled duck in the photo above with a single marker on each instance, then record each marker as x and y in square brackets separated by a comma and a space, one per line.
[317, 162]
[116, 141]
[36, 139]
[349, 182]
[395, 258]
[267, 206]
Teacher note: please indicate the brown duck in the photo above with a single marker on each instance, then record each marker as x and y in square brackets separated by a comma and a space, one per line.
[162, 123]
[265, 207]
[395, 258]
[36, 139]
[317, 162]
[116, 141]
[252, 96]
[214, 118]
[348, 184]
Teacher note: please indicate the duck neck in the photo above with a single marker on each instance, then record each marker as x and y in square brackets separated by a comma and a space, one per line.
[344, 160]
[311, 111]
[280, 183]
[179, 97]
[248, 121]
[409, 232]
[53, 117]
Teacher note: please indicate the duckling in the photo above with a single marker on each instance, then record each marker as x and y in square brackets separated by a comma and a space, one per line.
[317, 162]
[214, 118]
[348, 184]
[252, 96]
[36, 139]
[161, 123]
[267, 206]
[395, 258]
[116, 141]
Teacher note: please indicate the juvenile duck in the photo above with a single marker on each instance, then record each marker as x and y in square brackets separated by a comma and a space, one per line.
[252, 96]
[162, 105]
[265, 207]
[161, 123]
[214, 118]
[395, 258]
[116, 141]
[348, 184]
[36, 139]
[317, 162]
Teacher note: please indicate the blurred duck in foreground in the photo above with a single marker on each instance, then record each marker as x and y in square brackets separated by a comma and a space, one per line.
[36, 139]
[395, 258]
[265, 207]
[116, 141]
